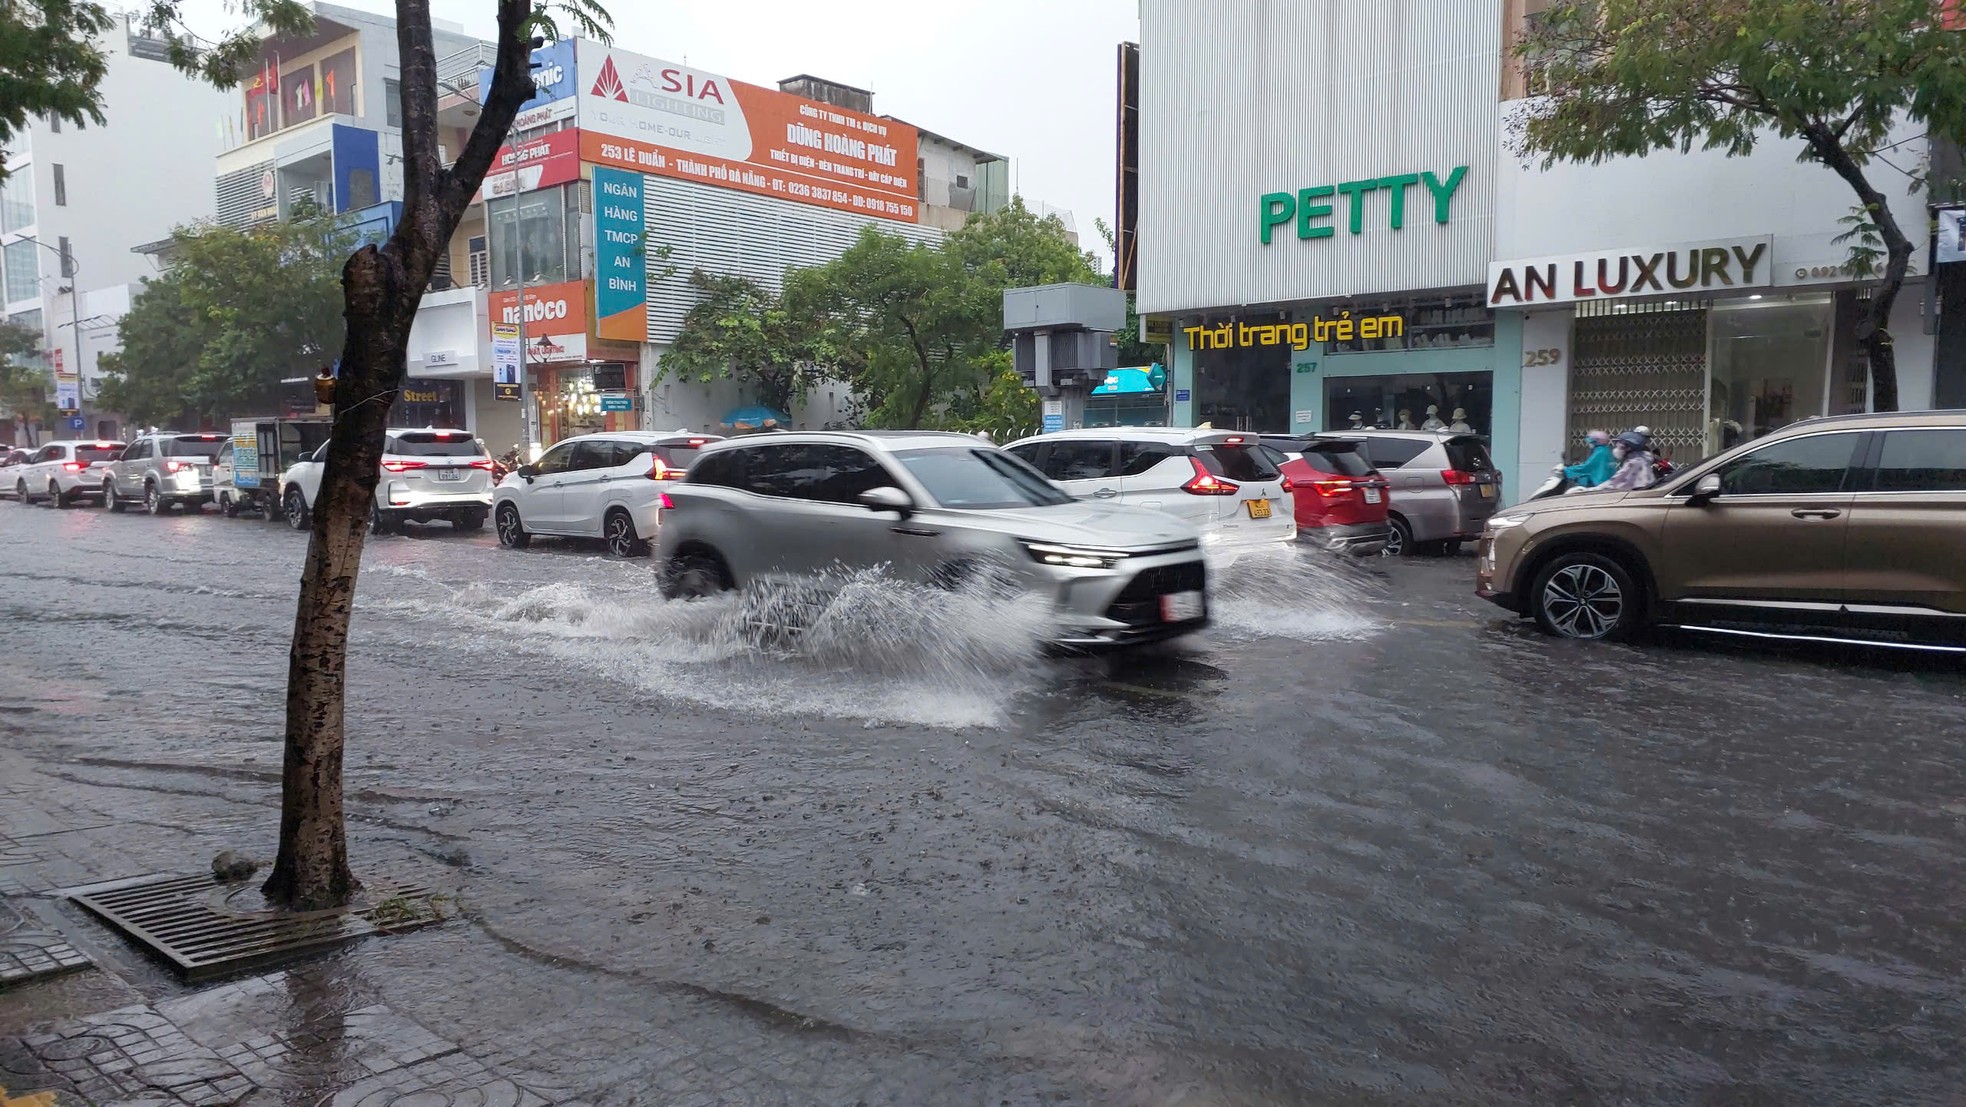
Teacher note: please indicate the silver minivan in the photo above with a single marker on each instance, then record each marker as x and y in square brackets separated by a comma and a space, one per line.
[931, 508]
[1444, 487]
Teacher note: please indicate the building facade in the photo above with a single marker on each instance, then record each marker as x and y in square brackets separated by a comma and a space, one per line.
[79, 198]
[1338, 233]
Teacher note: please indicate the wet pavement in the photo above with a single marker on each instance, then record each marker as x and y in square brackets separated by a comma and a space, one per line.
[1362, 841]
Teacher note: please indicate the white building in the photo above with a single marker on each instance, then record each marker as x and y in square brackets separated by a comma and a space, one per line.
[79, 199]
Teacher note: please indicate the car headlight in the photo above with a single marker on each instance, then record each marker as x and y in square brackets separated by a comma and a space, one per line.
[1504, 522]
[1073, 557]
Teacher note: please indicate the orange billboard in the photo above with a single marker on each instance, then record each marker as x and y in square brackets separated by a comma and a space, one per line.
[669, 120]
[556, 320]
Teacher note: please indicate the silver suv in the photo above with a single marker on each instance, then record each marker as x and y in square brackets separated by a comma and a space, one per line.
[161, 470]
[935, 509]
[1443, 485]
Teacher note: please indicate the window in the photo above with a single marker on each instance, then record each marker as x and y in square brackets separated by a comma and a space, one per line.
[480, 262]
[17, 199]
[338, 84]
[1468, 455]
[1079, 460]
[828, 474]
[23, 269]
[1235, 462]
[297, 95]
[528, 230]
[54, 123]
[559, 459]
[1138, 457]
[194, 445]
[1922, 461]
[67, 257]
[1391, 453]
[1798, 466]
[1338, 458]
[61, 186]
[726, 469]
[106, 452]
[436, 444]
[592, 455]
[1458, 402]
[51, 453]
[980, 480]
[392, 102]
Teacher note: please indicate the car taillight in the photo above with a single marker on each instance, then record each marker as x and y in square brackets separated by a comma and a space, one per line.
[1289, 486]
[1333, 487]
[74, 466]
[403, 466]
[1206, 483]
[1457, 476]
[482, 463]
[664, 502]
[659, 471]
[179, 466]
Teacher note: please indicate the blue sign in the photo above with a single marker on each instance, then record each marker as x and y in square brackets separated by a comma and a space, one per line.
[1180, 395]
[1054, 423]
[76, 422]
[620, 263]
[552, 75]
[617, 403]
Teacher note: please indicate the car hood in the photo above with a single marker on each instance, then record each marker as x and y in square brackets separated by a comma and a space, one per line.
[1110, 525]
[1572, 501]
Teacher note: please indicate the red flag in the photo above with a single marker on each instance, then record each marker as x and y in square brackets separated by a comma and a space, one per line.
[273, 75]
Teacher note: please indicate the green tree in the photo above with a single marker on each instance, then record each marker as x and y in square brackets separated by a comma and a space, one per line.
[740, 331]
[238, 311]
[50, 64]
[24, 387]
[1630, 77]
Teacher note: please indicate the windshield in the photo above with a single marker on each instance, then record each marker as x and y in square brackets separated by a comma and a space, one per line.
[1469, 455]
[980, 479]
[195, 445]
[1341, 458]
[106, 451]
[437, 444]
[1238, 462]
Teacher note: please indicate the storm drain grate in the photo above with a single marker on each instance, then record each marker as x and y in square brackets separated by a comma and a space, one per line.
[200, 928]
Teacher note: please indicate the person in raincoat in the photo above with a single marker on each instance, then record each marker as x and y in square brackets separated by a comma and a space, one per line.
[1635, 461]
[1596, 468]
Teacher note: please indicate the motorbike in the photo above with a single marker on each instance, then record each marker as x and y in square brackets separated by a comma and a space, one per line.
[1557, 485]
[504, 464]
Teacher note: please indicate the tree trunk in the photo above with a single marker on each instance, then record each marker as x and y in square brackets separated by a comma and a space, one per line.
[1874, 327]
[381, 288]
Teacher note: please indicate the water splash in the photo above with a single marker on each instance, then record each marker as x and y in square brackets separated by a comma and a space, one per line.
[1295, 592]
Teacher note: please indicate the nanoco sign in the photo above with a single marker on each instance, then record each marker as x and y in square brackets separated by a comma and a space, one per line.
[1624, 274]
[1312, 210]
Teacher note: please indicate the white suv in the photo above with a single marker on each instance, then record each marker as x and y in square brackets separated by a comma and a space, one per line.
[606, 486]
[1220, 481]
[65, 471]
[426, 474]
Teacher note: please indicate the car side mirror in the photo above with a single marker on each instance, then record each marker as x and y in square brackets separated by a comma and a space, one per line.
[528, 472]
[887, 498]
[1706, 491]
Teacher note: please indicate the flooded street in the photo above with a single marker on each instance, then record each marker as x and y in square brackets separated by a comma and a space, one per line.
[1363, 840]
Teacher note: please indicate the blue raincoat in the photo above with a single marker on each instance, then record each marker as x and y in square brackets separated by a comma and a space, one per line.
[1593, 470]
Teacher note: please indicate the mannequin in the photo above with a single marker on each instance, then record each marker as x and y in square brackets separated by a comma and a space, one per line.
[1358, 421]
[1460, 425]
[1433, 422]
[1378, 418]
[1405, 419]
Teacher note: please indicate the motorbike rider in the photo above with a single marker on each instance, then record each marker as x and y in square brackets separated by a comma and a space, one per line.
[1597, 467]
[1633, 452]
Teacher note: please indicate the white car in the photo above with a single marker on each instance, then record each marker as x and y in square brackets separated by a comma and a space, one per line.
[607, 486]
[13, 465]
[428, 473]
[65, 471]
[1220, 481]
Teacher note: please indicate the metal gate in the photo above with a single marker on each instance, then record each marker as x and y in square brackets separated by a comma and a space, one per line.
[1641, 364]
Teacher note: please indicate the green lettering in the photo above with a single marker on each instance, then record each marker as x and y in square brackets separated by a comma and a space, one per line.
[1398, 186]
[1278, 207]
[1444, 193]
[1307, 211]
[1357, 190]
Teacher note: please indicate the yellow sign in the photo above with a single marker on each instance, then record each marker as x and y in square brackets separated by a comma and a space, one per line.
[1298, 336]
[420, 396]
[1156, 330]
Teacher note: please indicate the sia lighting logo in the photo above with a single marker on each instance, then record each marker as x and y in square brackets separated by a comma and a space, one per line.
[608, 84]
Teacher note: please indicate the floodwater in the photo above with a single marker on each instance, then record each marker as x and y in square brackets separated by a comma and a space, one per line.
[1363, 840]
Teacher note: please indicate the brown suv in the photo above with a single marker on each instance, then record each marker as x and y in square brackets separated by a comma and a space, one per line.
[1846, 528]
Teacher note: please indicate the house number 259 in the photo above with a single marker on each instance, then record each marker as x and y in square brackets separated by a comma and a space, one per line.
[1549, 356]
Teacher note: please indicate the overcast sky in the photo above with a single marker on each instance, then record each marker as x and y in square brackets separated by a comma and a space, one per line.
[1029, 79]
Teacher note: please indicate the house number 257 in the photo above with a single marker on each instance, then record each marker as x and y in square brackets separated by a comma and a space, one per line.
[1549, 356]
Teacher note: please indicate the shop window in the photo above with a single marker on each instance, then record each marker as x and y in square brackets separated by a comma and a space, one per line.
[529, 231]
[1244, 387]
[1770, 362]
[1461, 402]
[1435, 325]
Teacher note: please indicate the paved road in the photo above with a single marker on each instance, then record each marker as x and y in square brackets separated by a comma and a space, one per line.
[1362, 841]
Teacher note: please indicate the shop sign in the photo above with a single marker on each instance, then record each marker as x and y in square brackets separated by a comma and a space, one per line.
[1309, 208]
[1181, 395]
[421, 395]
[1298, 336]
[437, 358]
[617, 403]
[1623, 274]
[553, 86]
[68, 395]
[620, 261]
[1156, 330]
[555, 320]
[542, 162]
[669, 120]
[1949, 244]
[505, 361]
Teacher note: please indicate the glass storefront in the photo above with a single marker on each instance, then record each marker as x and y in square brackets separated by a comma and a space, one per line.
[570, 399]
[1770, 366]
[1244, 387]
[428, 403]
[1463, 402]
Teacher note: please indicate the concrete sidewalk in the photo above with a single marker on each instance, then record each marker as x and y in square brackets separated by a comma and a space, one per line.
[449, 1014]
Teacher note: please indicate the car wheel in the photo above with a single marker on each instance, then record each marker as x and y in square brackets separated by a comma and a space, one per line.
[619, 530]
[297, 514]
[20, 491]
[229, 507]
[694, 576]
[1587, 596]
[380, 521]
[511, 532]
[1451, 548]
[109, 499]
[154, 503]
[56, 497]
[470, 520]
[1399, 538]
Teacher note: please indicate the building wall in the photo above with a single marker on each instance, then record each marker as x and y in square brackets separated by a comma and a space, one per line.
[1242, 98]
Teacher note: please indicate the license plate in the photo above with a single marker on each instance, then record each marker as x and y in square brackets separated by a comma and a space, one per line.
[450, 474]
[1258, 509]
[1179, 607]
[1487, 491]
[1372, 496]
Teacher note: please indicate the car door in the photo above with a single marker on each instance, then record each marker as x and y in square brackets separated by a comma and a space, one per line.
[542, 499]
[817, 525]
[46, 460]
[1086, 468]
[1775, 535]
[585, 485]
[1151, 474]
[1906, 549]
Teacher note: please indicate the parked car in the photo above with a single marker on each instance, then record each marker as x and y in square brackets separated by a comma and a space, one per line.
[1847, 528]
[162, 470]
[933, 508]
[426, 474]
[13, 465]
[606, 486]
[1341, 500]
[64, 472]
[1221, 482]
[1444, 487]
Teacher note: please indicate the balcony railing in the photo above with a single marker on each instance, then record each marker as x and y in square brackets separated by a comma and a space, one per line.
[459, 69]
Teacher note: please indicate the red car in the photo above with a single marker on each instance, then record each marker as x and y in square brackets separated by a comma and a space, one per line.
[1341, 498]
